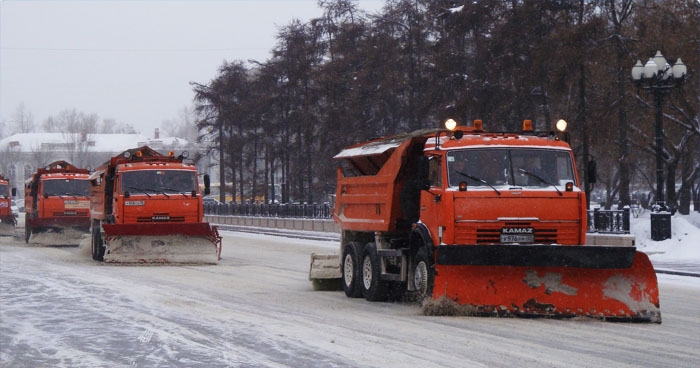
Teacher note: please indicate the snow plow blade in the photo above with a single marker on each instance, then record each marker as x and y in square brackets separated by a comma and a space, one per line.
[56, 236]
[56, 231]
[7, 228]
[608, 283]
[324, 272]
[192, 243]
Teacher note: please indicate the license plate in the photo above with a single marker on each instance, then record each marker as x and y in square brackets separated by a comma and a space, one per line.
[517, 238]
[517, 235]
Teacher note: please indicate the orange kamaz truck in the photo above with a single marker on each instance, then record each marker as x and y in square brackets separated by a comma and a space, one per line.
[147, 207]
[8, 219]
[56, 202]
[495, 222]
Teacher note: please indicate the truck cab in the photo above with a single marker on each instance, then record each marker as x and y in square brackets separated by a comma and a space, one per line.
[501, 188]
[56, 199]
[8, 218]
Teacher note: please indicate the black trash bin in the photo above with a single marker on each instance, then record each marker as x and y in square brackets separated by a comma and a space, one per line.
[660, 226]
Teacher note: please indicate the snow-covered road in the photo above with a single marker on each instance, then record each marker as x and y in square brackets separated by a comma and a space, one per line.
[256, 308]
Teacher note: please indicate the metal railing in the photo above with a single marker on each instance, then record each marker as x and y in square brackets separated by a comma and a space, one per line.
[599, 221]
[316, 211]
[609, 221]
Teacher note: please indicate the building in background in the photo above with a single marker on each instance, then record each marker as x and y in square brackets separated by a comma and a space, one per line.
[22, 153]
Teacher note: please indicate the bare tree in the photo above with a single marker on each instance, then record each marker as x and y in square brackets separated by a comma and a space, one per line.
[22, 120]
[184, 126]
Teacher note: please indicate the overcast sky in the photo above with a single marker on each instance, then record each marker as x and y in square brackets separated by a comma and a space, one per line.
[130, 61]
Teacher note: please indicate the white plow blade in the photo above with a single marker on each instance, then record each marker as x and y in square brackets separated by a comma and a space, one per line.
[324, 267]
[161, 249]
[7, 229]
[68, 236]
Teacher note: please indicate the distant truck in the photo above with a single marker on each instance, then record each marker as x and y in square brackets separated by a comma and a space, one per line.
[147, 207]
[8, 219]
[57, 205]
[492, 221]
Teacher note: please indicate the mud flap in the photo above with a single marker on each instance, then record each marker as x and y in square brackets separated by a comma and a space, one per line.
[196, 243]
[617, 294]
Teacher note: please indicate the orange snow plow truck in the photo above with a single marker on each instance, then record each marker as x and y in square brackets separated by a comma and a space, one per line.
[8, 219]
[57, 205]
[495, 222]
[147, 207]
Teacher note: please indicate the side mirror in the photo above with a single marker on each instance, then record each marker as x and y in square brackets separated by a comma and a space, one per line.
[14, 192]
[591, 170]
[207, 184]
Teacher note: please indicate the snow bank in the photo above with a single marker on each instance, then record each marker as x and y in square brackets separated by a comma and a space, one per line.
[684, 245]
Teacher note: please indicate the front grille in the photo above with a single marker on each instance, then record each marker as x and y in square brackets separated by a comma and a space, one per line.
[158, 218]
[490, 232]
[490, 236]
[70, 213]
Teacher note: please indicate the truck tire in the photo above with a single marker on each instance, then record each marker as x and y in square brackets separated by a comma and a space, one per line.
[98, 249]
[350, 270]
[373, 288]
[424, 274]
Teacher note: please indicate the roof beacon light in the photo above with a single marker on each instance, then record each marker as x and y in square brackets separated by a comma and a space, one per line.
[450, 124]
[527, 126]
[478, 125]
[561, 125]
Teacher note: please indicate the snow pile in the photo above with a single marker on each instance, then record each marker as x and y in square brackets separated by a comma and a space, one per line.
[684, 245]
[444, 306]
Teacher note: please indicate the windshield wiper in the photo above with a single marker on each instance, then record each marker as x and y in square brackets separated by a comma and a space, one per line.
[480, 180]
[141, 190]
[174, 191]
[541, 179]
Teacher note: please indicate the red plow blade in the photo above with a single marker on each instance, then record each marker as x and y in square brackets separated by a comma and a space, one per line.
[615, 294]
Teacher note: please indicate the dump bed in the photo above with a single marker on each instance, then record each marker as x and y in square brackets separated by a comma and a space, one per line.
[372, 179]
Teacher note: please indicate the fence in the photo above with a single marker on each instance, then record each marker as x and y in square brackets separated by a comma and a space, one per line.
[315, 211]
[609, 221]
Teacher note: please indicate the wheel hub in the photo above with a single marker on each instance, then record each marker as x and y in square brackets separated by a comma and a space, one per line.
[420, 278]
[367, 273]
[347, 270]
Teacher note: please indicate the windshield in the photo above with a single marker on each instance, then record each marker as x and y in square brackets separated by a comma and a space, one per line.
[159, 181]
[4, 190]
[522, 167]
[66, 187]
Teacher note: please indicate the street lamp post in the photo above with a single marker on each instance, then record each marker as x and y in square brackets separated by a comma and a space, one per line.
[658, 77]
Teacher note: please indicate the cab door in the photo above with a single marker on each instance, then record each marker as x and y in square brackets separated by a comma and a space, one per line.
[433, 211]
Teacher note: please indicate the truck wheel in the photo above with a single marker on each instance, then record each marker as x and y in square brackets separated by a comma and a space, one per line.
[373, 288]
[351, 270]
[98, 249]
[424, 274]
